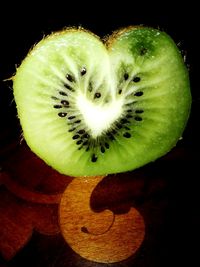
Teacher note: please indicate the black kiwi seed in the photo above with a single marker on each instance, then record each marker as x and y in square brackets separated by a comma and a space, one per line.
[137, 118]
[65, 102]
[140, 93]
[107, 145]
[76, 136]
[57, 106]
[120, 91]
[97, 95]
[139, 111]
[83, 71]
[111, 137]
[127, 135]
[78, 121]
[129, 110]
[62, 114]
[126, 76]
[85, 143]
[62, 93]
[71, 117]
[71, 130]
[94, 158]
[68, 87]
[127, 128]
[79, 142]
[54, 98]
[102, 149]
[86, 135]
[70, 78]
[136, 79]
[119, 126]
[114, 131]
[82, 131]
[129, 116]
[123, 121]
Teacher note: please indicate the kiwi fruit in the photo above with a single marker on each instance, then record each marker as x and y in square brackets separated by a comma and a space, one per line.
[94, 107]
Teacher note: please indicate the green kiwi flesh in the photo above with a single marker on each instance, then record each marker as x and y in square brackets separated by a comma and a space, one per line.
[89, 107]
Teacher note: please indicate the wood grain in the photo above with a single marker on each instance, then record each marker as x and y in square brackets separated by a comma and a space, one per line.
[101, 237]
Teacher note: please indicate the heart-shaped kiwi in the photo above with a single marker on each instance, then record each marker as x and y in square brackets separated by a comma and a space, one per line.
[92, 107]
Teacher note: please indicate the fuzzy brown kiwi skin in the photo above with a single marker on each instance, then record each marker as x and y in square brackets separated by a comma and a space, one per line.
[71, 29]
[107, 40]
[51, 36]
[110, 38]
[57, 33]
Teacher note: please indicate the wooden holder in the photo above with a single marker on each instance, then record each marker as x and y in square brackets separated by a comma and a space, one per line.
[96, 216]
[101, 237]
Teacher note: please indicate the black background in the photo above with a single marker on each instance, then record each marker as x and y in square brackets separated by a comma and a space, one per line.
[22, 26]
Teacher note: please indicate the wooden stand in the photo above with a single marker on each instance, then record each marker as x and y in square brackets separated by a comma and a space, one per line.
[101, 237]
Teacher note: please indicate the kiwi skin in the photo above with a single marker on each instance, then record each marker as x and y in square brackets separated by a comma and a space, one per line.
[157, 145]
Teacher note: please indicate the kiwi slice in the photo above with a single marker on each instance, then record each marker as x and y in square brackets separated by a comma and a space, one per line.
[92, 107]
